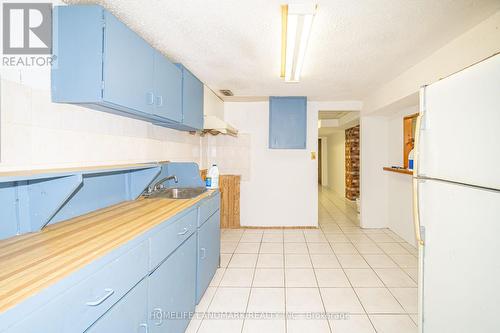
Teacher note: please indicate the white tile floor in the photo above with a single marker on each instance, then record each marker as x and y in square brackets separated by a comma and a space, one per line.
[337, 269]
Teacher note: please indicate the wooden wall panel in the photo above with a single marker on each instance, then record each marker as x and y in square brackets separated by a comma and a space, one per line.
[229, 186]
[230, 201]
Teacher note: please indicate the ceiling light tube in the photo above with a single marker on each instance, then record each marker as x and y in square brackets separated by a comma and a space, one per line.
[297, 22]
[291, 38]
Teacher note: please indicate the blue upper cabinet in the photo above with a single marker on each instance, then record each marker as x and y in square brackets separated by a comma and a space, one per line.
[78, 50]
[128, 70]
[168, 89]
[287, 122]
[192, 100]
[102, 64]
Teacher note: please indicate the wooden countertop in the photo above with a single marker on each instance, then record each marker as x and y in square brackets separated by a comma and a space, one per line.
[32, 262]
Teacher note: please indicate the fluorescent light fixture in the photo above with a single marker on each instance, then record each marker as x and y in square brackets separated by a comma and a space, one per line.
[297, 22]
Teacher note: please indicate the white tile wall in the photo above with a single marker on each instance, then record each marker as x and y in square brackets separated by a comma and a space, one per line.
[231, 154]
[36, 133]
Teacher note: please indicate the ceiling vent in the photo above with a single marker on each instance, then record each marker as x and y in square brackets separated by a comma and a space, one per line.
[226, 92]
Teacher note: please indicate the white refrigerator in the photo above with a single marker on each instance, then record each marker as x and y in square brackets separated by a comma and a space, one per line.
[457, 201]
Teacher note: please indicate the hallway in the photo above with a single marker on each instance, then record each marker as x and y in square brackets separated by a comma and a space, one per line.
[339, 278]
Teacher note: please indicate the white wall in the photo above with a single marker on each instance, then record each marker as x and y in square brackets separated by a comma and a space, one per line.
[282, 187]
[324, 160]
[386, 197]
[399, 186]
[336, 162]
[373, 184]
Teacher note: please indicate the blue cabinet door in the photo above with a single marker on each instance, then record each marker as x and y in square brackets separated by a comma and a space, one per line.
[192, 100]
[128, 67]
[128, 315]
[77, 47]
[287, 122]
[171, 294]
[208, 253]
[168, 89]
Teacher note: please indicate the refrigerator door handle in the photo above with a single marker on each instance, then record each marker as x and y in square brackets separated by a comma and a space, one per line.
[418, 125]
[416, 215]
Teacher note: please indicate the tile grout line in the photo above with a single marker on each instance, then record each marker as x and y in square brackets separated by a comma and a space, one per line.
[251, 284]
[355, 293]
[342, 229]
[373, 269]
[317, 283]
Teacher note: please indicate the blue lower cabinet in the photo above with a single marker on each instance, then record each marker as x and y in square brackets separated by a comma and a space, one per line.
[208, 207]
[150, 286]
[78, 308]
[167, 239]
[171, 293]
[208, 253]
[128, 315]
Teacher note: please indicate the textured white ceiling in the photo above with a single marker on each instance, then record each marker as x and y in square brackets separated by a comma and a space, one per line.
[355, 45]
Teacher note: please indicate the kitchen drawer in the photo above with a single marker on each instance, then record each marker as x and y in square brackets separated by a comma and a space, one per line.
[79, 307]
[171, 293]
[208, 207]
[166, 240]
[130, 314]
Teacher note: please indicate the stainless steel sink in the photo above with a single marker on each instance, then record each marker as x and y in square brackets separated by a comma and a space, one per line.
[177, 193]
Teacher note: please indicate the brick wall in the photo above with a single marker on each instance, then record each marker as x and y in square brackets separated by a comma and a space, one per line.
[352, 163]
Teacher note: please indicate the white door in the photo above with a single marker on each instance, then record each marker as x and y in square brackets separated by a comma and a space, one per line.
[460, 133]
[461, 258]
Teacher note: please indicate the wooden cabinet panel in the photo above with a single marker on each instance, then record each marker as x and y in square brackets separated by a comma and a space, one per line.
[229, 188]
[230, 201]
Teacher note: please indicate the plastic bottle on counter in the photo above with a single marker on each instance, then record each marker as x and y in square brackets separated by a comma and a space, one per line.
[212, 181]
[410, 160]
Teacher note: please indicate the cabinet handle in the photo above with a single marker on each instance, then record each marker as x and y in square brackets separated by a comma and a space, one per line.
[150, 98]
[107, 295]
[145, 326]
[203, 253]
[183, 232]
[159, 100]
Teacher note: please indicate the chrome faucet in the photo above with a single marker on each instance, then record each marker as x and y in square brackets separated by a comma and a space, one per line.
[159, 184]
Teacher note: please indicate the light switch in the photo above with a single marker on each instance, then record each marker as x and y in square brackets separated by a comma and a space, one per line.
[313, 155]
